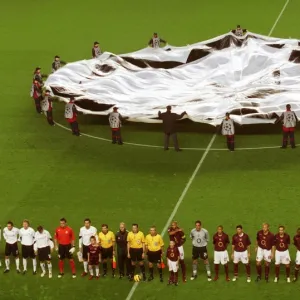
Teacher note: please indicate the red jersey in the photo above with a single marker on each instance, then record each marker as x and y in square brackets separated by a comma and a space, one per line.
[241, 242]
[297, 242]
[178, 237]
[94, 252]
[282, 242]
[37, 90]
[265, 241]
[173, 253]
[64, 235]
[221, 241]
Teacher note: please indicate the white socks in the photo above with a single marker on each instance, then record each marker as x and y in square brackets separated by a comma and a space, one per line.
[91, 270]
[43, 267]
[49, 267]
[34, 263]
[25, 264]
[97, 271]
[18, 263]
[7, 263]
[85, 266]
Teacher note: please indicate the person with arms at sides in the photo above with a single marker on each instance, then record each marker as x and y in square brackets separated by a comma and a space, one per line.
[71, 116]
[297, 262]
[115, 122]
[57, 63]
[289, 120]
[26, 237]
[107, 242]
[96, 51]
[221, 242]
[200, 238]
[276, 75]
[36, 94]
[155, 41]
[169, 123]
[154, 250]
[38, 76]
[241, 252]
[177, 235]
[173, 256]
[46, 106]
[123, 260]
[43, 245]
[227, 129]
[265, 250]
[11, 234]
[85, 234]
[282, 254]
[94, 257]
[64, 240]
[136, 250]
[239, 31]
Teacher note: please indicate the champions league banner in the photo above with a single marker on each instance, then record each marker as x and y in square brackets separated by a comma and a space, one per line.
[252, 77]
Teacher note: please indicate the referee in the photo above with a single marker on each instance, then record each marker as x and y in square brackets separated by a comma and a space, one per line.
[200, 238]
[136, 250]
[154, 249]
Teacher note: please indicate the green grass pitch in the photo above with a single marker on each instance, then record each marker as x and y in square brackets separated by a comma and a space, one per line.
[47, 174]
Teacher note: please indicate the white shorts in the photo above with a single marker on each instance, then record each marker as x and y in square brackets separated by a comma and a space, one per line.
[181, 252]
[240, 256]
[263, 254]
[221, 257]
[298, 258]
[282, 257]
[173, 265]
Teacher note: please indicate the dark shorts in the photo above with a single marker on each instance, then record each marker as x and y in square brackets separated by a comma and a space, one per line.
[27, 251]
[107, 253]
[11, 249]
[44, 254]
[63, 251]
[154, 257]
[94, 262]
[199, 252]
[136, 254]
[85, 250]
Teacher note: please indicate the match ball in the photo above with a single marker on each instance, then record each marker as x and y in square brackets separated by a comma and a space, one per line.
[137, 278]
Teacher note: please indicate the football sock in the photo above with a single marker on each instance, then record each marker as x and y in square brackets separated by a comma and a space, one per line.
[151, 271]
[175, 277]
[258, 270]
[104, 267]
[34, 263]
[72, 265]
[97, 270]
[91, 270]
[7, 263]
[17, 263]
[24, 264]
[160, 272]
[217, 270]
[297, 271]
[61, 266]
[85, 266]
[171, 278]
[267, 271]
[248, 269]
[288, 271]
[183, 268]
[132, 270]
[236, 269]
[207, 267]
[43, 267]
[195, 267]
[49, 267]
[277, 269]
[143, 269]
[226, 270]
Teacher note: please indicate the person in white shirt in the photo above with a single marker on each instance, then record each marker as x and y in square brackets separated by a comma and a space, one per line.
[43, 245]
[10, 234]
[85, 234]
[26, 237]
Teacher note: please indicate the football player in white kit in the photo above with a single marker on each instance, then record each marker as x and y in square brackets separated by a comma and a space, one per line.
[10, 234]
[26, 237]
[85, 234]
[155, 41]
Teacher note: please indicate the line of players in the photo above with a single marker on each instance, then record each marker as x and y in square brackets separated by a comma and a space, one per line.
[131, 249]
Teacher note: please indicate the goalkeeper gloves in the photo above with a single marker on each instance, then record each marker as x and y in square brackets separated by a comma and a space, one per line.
[72, 250]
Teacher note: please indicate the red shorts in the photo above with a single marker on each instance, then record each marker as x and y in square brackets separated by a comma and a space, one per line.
[290, 129]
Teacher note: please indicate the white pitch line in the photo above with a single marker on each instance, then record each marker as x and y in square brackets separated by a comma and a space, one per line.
[279, 17]
[134, 287]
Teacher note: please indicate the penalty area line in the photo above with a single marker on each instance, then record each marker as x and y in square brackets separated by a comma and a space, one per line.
[183, 194]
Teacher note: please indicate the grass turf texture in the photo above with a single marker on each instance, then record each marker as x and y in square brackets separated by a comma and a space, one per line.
[46, 173]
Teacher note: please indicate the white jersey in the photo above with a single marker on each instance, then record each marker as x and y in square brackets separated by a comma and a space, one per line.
[227, 127]
[26, 236]
[45, 104]
[239, 32]
[42, 240]
[69, 110]
[156, 42]
[289, 119]
[85, 235]
[11, 236]
[114, 120]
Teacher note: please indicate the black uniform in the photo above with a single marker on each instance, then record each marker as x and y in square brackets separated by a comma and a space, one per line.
[121, 240]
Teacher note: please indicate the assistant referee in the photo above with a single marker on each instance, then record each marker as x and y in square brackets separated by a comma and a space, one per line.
[136, 250]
